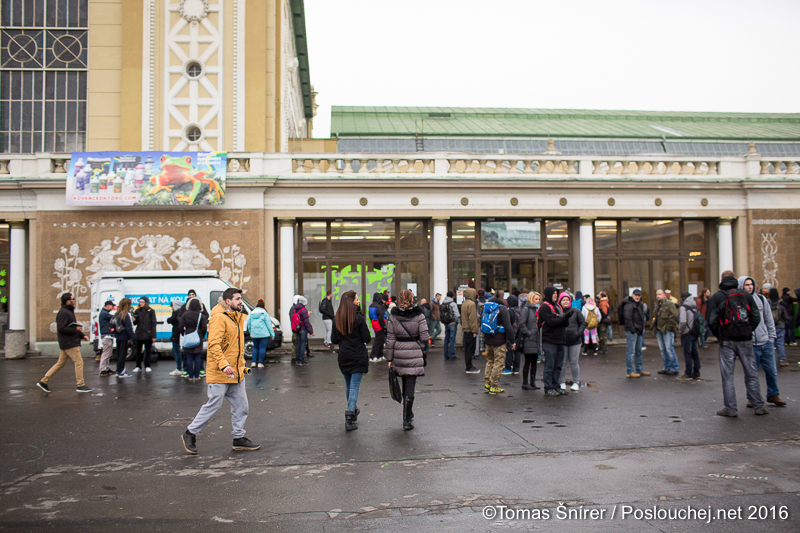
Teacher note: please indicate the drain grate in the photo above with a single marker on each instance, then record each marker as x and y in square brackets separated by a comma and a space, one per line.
[175, 422]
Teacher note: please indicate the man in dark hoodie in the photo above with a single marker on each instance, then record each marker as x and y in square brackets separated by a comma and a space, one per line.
[70, 335]
[554, 339]
[376, 317]
[496, 347]
[733, 316]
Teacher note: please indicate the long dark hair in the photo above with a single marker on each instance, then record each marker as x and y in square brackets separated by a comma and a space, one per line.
[346, 314]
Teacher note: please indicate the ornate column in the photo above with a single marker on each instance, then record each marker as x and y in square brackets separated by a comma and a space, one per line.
[16, 335]
[286, 272]
[586, 237]
[440, 256]
[725, 242]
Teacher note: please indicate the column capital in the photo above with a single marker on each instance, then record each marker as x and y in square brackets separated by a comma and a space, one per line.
[586, 221]
[285, 222]
[726, 221]
[440, 221]
[17, 223]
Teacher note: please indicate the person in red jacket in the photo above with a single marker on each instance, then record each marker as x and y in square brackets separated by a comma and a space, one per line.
[303, 330]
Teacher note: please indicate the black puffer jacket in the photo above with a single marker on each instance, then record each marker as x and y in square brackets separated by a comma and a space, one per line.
[634, 316]
[530, 334]
[146, 323]
[554, 323]
[406, 335]
[576, 325]
[353, 356]
[187, 323]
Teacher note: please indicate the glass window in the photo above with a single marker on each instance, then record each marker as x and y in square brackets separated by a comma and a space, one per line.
[412, 236]
[694, 234]
[695, 274]
[463, 237]
[464, 274]
[510, 235]
[314, 291]
[347, 277]
[315, 236]
[649, 234]
[362, 236]
[635, 274]
[605, 235]
[558, 273]
[523, 274]
[605, 279]
[413, 278]
[667, 275]
[494, 275]
[557, 235]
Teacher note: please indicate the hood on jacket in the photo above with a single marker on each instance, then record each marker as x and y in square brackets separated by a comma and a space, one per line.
[194, 305]
[407, 313]
[579, 295]
[728, 283]
[513, 301]
[377, 298]
[742, 279]
[561, 297]
[176, 305]
[299, 299]
[446, 300]
[689, 302]
[471, 294]
[773, 294]
[548, 294]
[590, 306]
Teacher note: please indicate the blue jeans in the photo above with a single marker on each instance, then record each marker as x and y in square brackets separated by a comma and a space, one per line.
[450, 340]
[260, 350]
[176, 354]
[437, 329]
[666, 345]
[779, 342]
[302, 342]
[690, 355]
[194, 363]
[765, 357]
[351, 384]
[610, 333]
[634, 341]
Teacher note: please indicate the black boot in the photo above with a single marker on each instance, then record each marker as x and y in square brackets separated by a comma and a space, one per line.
[355, 416]
[350, 420]
[407, 404]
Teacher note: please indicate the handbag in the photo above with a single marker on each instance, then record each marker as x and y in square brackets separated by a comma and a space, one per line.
[394, 386]
[192, 339]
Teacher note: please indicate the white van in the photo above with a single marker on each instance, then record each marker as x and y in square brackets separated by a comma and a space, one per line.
[162, 288]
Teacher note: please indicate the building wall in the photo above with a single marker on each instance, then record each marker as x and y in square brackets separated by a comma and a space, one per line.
[104, 99]
[775, 247]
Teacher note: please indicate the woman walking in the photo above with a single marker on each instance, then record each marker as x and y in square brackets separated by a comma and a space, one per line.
[351, 333]
[531, 340]
[145, 319]
[259, 325]
[406, 335]
[123, 332]
[574, 333]
[193, 319]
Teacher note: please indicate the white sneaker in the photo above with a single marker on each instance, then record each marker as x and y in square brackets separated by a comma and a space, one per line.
[148, 369]
[382, 359]
[563, 386]
[175, 372]
[260, 365]
[137, 370]
[252, 365]
[576, 386]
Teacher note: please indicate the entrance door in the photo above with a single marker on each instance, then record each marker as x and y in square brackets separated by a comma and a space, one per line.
[524, 274]
[495, 274]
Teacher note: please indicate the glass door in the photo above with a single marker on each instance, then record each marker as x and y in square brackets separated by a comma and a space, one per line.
[524, 274]
[495, 274]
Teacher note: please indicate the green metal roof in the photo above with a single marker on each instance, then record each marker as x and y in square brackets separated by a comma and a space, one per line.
[509, 122]
[301, 45]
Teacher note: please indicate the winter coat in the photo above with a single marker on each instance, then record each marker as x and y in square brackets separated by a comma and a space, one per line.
[604, 306]
[225, 345]
[174, 320]
[435, 316]
[326, 309]
[353, 355]
[376, 313]
[591, 308]
[554, 323]
[686, 318]
[305, 321]
[68, 336]
[259, 324]
[453, 309]
[103, 320]
[634, 315]
[666, 317]
[529, 331]
[469, 312]
[188, 322]
[503, 319]
[576, 325]
[777, 308]
[765, 332]
[717, 302]
[426, 310]
[125, 333]
[406, 335]
[146, 323]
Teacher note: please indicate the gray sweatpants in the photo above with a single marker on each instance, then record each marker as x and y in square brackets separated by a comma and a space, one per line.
[237, 397]
[728, 352]
[571, 354]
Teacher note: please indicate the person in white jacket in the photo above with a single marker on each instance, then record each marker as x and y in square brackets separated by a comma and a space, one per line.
[592, 316]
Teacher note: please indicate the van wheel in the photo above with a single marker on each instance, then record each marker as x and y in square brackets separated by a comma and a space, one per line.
[248, 350]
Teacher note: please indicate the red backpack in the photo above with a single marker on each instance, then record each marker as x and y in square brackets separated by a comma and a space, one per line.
[296, 322]
[734, 317]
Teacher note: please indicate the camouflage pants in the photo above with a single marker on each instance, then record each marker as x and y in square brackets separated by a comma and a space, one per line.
[602, 337]
[495, 361]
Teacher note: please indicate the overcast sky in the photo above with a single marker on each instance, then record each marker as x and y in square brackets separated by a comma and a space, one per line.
[676, 55]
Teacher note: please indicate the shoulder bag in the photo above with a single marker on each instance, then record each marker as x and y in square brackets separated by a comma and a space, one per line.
[192, 339]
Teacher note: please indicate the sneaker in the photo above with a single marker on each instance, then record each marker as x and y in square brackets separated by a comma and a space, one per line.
[644, 348]
[176, 372]
[260, 365]
[83, 388]
[189, 442]
[486, 387]
[381, 359]
[514, 372]
[684, 377]
[124, 375]
[725, 412]
[244, 444]
[252, 365]
[106, 373]
[202, 373]
[633, 375]
[506, 372]
[137, 370]
[575, 386]
[563, 386]
[663, 372]
[473, 371]
[761, 411]
[373, 359]
[496, 390]
[42, 385]
[552, 392]
[148, 369]
[184, 374]
[302, 363]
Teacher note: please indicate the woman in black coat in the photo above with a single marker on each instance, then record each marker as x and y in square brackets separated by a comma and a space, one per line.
[193, 319]
[351, 333]
[146, 323]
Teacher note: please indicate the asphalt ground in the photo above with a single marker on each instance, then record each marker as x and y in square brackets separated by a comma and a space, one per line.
[620, 455]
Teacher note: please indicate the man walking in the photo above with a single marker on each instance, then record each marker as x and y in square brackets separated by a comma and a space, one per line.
[106, 337]
[70, 335]
[326, 310]
[449, 316]
[435, 317]
[498, 334]
[634, 320]
[225, 373]
[733, 317]
[666, 325]
[471, 326]
[764, 342]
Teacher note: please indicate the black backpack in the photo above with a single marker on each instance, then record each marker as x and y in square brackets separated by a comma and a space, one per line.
[695, 329]
[734, 317]
[445, 314]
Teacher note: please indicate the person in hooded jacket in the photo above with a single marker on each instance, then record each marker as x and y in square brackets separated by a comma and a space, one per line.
[377, 312]
[529, 336]
[591, 336]
[406, 342]
[146, 323]
[303, 331]
[781, 317]
[351, 333]
[687, 314]
[554, 338]
[634, 317]
[192, 320]
[513, 356]
[576, 325]
[471, 326]
[764, 342]
[180, 361]
[789, 300]
[497, 343]
[450, 313]
[259, 326]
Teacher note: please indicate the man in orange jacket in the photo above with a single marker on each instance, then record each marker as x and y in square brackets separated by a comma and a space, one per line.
[225, 370]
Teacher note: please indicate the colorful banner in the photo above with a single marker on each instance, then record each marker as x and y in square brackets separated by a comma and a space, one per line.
[147, 178]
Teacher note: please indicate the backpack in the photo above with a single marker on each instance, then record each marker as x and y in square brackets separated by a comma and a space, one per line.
[445, 314]
[114, 324]
[489, 325]
[734, 318]
[296, 322]
[591, 320]
[539, 320]
[777, 312]
[695, 329]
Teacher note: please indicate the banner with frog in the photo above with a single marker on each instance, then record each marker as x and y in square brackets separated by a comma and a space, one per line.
[147, 178]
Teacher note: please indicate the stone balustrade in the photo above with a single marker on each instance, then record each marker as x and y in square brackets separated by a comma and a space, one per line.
[780, 166]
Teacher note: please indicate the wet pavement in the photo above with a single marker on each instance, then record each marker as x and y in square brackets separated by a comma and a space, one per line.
[612, 455]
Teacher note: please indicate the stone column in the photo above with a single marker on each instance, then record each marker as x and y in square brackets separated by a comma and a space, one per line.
[286, 272]
[725, 241]
[440, 256]
[16, 335]
[586, 236]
